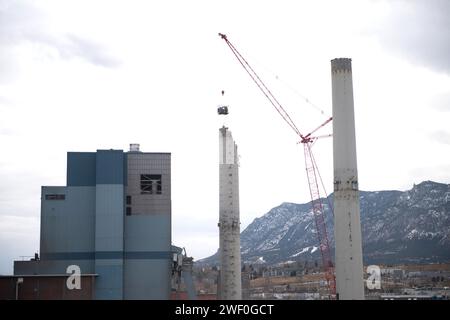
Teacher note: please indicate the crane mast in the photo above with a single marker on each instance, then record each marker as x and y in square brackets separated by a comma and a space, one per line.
[312, 170]
[319, 217]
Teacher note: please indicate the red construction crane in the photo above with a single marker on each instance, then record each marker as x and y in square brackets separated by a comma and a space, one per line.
[311, 168]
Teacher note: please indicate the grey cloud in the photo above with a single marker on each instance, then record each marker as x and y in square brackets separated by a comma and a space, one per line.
[71, 46]
[419, 31]
[19, 191]
[4, 101]
[90, 51]
[441, 102]
[439, 173]
[20, 22]
[19, 236]
[7, 132]
[441, 137]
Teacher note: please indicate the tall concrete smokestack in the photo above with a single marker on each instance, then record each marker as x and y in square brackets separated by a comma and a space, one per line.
[230, 248]
[347, 225]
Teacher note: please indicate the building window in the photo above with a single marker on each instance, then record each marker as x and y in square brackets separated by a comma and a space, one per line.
[128, 211]
[151, 184]
[55, 197]
[128, 200]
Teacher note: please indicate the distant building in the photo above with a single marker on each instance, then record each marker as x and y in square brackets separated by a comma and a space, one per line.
[113, 220]
[396, 274]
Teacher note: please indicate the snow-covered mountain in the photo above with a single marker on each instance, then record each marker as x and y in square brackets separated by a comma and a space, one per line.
[397, 227]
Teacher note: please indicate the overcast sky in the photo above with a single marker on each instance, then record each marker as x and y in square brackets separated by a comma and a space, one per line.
[86, 75]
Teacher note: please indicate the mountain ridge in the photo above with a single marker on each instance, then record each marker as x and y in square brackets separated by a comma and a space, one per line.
[411, 226]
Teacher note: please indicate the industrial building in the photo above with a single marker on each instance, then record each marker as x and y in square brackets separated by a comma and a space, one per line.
[113, 221]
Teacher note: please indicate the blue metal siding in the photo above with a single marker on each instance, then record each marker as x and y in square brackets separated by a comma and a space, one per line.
[110, 167]
[108, 284]
[109, 216]
[107, 255]
[81, 168]
[147, 279]
[148, 233]
[147, 247]
[125, 169]
[90, 168]
[67, 227]
[109, 220]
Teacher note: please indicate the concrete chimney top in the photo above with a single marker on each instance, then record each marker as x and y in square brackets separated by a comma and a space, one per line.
[341, 64]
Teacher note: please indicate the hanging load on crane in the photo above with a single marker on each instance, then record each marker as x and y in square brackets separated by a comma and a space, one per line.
[222, 110]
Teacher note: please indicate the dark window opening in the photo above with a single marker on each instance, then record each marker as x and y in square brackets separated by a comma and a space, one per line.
[55, 197]
[128, 199]
[151, 184]
[128, 211]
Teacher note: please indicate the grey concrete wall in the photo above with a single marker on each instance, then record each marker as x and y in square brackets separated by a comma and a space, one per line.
[347, 223]
[229, 237]
[229, 224]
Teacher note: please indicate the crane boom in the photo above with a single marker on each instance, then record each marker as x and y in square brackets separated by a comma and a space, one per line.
[310, 163]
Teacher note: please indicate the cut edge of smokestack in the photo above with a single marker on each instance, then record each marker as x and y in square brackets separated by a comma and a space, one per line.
[341, 64]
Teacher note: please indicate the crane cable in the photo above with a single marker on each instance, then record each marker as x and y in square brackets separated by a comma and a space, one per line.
[261, 85]
[290, 87]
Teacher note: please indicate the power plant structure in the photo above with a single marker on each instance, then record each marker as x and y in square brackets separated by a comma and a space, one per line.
[112, 222]
[347, 224]
[230, 286]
